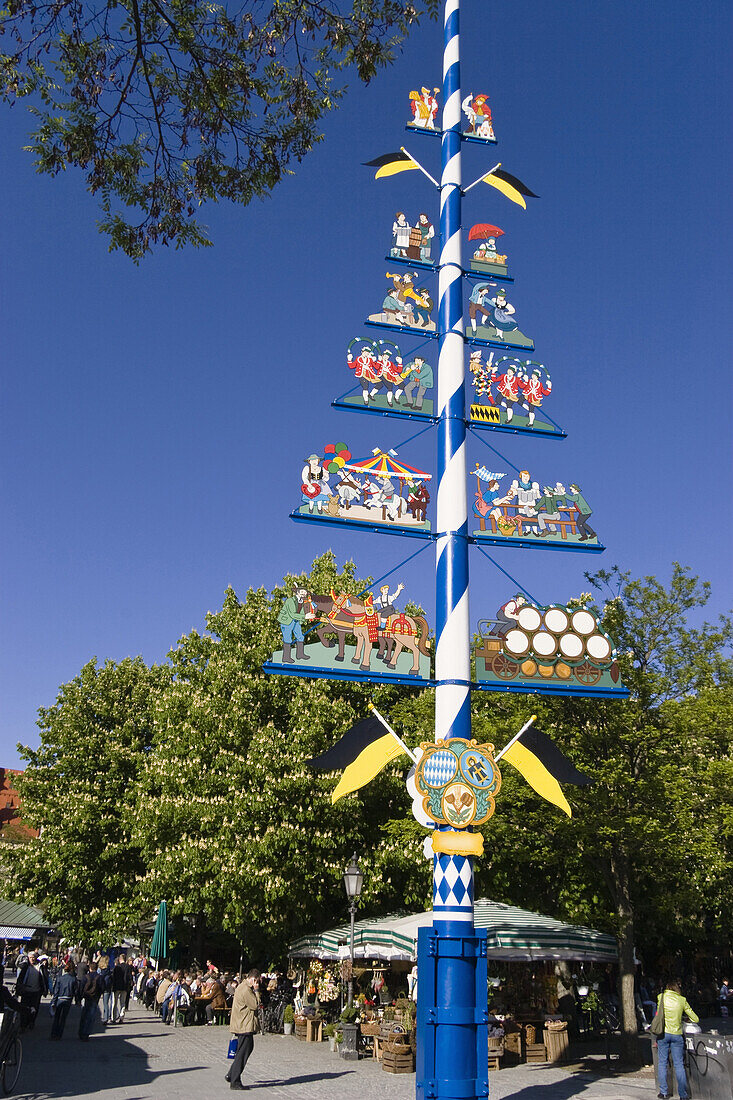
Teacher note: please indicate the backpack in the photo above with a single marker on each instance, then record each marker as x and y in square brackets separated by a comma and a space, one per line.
[104, 981]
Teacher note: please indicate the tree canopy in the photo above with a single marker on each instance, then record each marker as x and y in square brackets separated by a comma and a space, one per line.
[189, 782]
[168, 104]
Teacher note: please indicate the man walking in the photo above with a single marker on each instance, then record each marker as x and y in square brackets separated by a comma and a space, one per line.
[243, 1025]
[121, 986]
[31, 986]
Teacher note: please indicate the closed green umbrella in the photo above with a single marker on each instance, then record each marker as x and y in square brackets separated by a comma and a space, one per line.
[159, 946]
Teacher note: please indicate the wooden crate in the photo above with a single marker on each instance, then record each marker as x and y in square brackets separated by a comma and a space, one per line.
[536, 1052]
[398, 1061]
[301, 1028]
[557, 1043]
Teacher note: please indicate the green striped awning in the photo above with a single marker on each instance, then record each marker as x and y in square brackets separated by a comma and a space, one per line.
[512, 934]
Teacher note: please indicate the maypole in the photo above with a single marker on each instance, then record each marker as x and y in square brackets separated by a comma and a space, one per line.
[450, 1058]
[527, 647]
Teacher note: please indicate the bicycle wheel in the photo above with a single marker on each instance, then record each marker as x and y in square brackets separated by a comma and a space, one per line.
[10, 1070]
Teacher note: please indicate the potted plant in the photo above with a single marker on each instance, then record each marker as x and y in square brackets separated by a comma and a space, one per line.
[350, 1031]
[330, 1032]
[288, 1020]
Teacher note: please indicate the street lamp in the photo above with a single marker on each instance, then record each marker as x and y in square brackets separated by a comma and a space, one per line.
[353, 879]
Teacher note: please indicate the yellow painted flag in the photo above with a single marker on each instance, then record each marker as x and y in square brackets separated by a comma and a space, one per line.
[389, 164]
[542, 764]
[509, 185]
[368, 763]
[362, 752]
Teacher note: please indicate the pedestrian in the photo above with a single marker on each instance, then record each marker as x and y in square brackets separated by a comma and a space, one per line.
[104, 979]
[31, 986]
[64, 988]
[674, 1006]
[723, 994]
[244, 1024]
[82, 969]
[121, 986]
[91, 993]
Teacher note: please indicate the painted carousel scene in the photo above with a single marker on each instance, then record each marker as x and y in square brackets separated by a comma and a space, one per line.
[520, 510]
[553, 649]
[365, 636]
[492, 318]
[406, 305]
[378, 490]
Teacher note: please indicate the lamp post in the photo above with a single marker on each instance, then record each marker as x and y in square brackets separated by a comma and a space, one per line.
[353, 879]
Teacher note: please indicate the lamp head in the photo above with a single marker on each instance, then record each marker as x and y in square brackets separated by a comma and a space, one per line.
[353, 879]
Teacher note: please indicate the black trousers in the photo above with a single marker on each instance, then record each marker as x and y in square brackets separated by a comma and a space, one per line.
[245, 1045]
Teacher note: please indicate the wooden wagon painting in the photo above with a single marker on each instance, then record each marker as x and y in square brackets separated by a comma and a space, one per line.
[377, 490]
[525, 512]
[352, 635]
[554, 647]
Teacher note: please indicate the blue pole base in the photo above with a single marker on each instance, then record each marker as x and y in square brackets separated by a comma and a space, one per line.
[452, 1013]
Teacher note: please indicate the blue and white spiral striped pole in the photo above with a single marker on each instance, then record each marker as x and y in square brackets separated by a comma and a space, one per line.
[453, 876]
[452, 1046]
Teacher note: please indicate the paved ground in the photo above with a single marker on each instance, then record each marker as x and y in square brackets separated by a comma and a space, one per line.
[142, 1059]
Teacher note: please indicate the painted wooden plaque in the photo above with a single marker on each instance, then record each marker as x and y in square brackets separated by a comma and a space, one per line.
[477, 111]
[388, 380]
[412, 242]
[492, 318]
[364, 637]
[378, 490]
[521, 511]
[406, 305]
[487, 258]
[424, 109]
[555, 649]
[510, 393]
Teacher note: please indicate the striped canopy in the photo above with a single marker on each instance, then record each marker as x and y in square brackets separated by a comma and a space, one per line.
[513, 934]
[382, 464]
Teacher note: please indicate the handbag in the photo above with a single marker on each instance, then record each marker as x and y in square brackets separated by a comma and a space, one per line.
[232, 1047]
[657, 1024]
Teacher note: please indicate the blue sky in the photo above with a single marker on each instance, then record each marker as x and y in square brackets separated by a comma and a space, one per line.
[155, 419]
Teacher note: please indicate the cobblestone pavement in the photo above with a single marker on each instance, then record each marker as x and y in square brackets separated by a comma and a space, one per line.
[141, 1059]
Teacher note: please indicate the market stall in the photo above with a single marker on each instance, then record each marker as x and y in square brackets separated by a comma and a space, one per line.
[529, 956]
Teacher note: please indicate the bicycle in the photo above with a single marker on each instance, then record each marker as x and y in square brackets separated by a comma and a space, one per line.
[11, 1050]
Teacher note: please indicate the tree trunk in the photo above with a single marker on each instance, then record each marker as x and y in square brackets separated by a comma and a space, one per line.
[630, 1049]
[200, 941]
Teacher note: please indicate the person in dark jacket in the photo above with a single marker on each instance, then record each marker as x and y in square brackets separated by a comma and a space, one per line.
[121, 986]
[91, 993]
[64, 988]
[31, 986]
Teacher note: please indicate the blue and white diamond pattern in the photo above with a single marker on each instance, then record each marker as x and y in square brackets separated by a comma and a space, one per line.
[453, 886]
[439, 768]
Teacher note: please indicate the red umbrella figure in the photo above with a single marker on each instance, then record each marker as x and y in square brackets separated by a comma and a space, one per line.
[483, 231]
